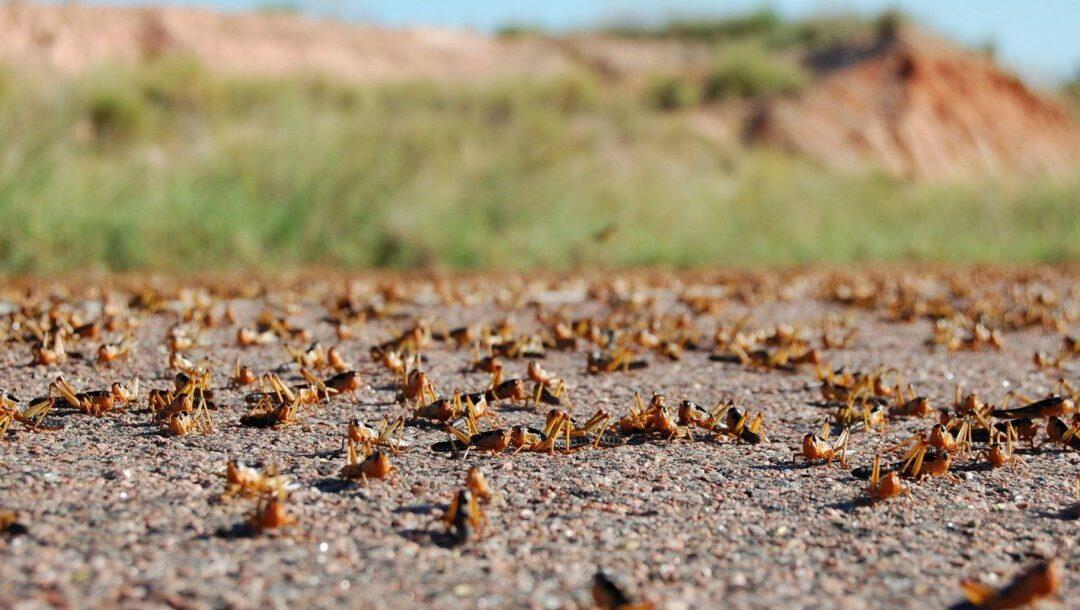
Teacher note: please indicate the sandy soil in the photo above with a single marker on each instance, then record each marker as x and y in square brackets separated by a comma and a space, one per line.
[74, 38]
[120, 515]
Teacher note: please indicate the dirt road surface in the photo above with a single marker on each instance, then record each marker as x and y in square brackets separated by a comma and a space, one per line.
[118, 514]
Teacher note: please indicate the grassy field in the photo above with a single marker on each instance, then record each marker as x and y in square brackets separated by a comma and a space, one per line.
[167, 167]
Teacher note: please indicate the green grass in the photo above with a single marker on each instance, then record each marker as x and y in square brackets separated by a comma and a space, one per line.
[166, 167]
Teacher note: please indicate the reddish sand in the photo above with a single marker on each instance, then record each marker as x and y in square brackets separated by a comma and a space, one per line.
[919, 108]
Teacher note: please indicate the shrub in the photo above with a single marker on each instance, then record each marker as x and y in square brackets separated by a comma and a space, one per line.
[1072, 88]
[764, 22]
[115, 112]
[753, 73]
[889, 23]
[176, 82]
[511, 31]
[673, 92]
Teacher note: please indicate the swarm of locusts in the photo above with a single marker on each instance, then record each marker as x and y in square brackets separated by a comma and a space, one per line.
[516, 396]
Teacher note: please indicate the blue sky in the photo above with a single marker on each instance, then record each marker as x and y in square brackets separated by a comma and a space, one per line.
[1040, 38]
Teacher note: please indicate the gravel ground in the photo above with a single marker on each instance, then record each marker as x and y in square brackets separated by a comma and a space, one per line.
[120, 515]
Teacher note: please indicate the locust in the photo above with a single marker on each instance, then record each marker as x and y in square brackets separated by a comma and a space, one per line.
[1037, 582]
[820, 447]
[463, 517]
